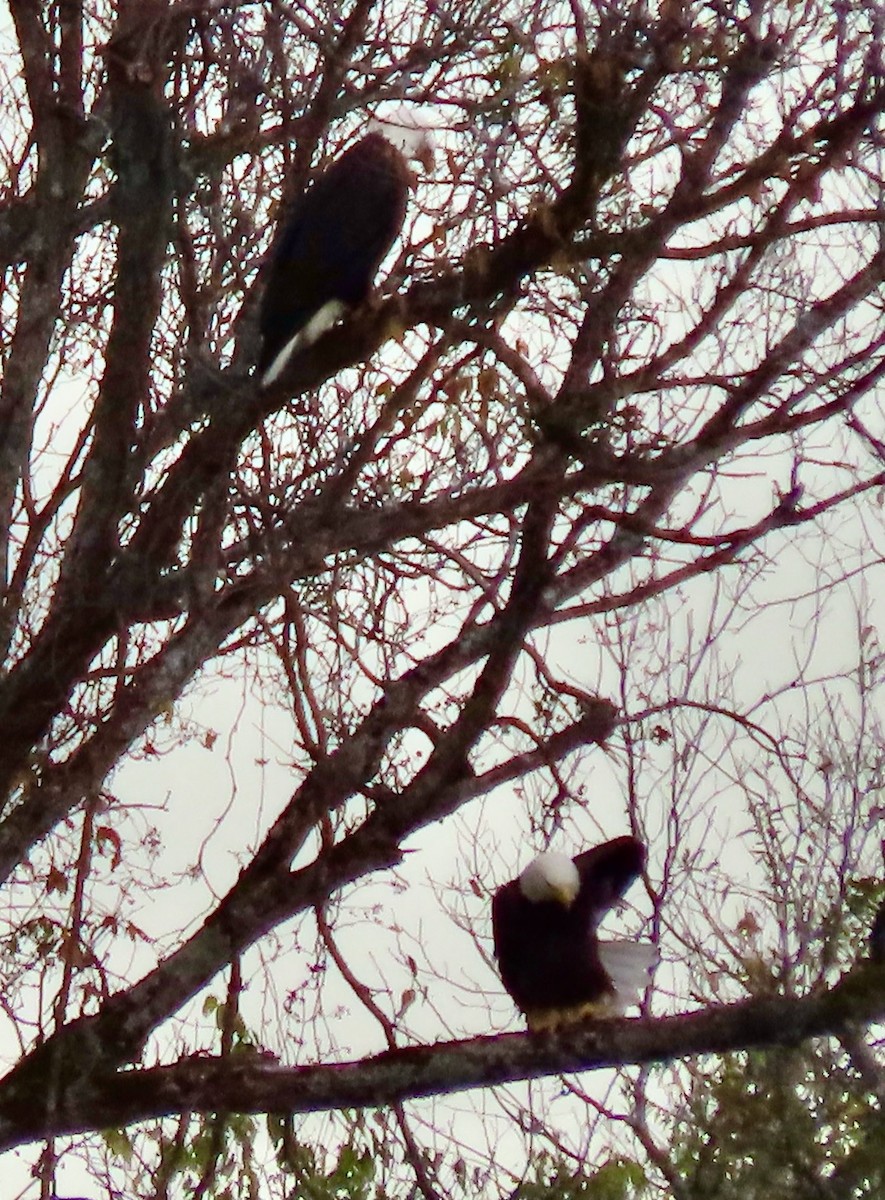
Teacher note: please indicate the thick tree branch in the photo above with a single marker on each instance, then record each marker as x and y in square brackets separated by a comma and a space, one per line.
[206, 1085]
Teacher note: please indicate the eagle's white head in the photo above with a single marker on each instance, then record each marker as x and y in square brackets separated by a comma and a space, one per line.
[404, 131]
[551, 876]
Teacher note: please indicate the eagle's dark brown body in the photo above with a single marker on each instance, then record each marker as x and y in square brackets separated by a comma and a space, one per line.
[331, 245]
[547, 949]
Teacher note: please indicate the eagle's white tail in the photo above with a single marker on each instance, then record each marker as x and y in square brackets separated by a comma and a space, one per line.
[629, 966]
[322, 320]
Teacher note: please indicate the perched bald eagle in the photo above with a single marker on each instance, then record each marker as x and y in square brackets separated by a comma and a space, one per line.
[331, 244]
[544, 926]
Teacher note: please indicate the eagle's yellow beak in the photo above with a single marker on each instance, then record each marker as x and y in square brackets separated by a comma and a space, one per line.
[564, 895]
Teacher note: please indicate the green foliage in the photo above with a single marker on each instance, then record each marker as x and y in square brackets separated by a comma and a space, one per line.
[216, 1152]
[118, 1143]
[218, 1149]
[788, 1123]
[791, 1124]
[229, 1020]
[618, 1179]
[351, 1178]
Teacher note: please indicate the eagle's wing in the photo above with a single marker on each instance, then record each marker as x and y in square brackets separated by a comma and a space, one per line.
[606, 872]
[505, 904]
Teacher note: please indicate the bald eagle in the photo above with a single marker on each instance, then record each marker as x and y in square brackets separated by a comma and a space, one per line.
[544, 926]
[331, 244]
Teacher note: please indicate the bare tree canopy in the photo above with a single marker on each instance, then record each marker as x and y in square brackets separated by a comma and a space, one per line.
[569, 532]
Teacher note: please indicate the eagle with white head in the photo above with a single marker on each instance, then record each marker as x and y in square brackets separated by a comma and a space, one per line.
[332, 240]
[545, 933]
